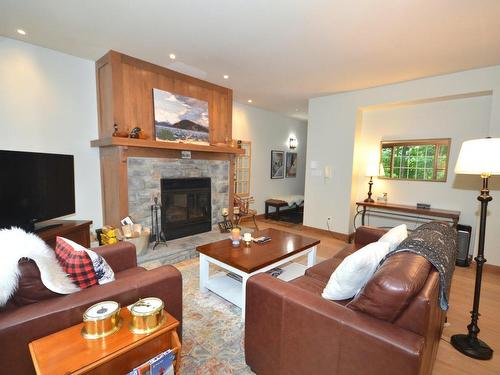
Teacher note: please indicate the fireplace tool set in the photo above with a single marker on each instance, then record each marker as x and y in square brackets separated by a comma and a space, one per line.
[157, 235]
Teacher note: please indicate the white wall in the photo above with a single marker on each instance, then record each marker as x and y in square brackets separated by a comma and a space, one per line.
[459, 119]
[269, 131]
[336, 121]
[48, 104]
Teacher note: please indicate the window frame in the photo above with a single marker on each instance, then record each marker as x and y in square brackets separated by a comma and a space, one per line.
[418, 142]
[248, 170]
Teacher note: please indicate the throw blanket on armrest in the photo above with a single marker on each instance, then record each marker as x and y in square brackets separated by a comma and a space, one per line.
[436, 242]
[16, 244]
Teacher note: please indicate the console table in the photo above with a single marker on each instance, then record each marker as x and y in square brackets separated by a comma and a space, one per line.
[74, 230]
[405, 211]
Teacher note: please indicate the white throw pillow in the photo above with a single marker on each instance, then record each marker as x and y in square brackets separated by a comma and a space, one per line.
[395, 236]
[355, 271]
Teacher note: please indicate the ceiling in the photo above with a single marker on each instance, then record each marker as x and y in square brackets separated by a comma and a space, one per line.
[278, 53]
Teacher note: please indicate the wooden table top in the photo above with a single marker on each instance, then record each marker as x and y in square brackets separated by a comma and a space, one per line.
[256, 256]
[412, 209]
[67, 351]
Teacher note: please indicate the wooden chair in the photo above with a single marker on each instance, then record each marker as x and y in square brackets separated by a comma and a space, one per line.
[244, 209]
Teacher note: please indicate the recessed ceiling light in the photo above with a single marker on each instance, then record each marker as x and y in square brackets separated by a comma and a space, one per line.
[172, 56]
[21, 31]
[296, 109]
[226, 76]
[250, 100]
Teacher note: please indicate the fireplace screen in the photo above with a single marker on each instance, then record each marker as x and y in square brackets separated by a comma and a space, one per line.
[186, 206]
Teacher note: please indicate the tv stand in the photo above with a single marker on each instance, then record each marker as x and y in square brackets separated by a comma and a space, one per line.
[44, 227]
[74, 230]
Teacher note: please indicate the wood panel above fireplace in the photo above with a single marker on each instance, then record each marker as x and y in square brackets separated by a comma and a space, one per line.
[124, 91]
[125, 95]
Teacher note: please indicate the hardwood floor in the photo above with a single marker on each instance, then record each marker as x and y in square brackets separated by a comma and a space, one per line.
[449, 361]
[328, 247]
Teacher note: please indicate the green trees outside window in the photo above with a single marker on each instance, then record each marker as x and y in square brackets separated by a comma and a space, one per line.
[421, 160]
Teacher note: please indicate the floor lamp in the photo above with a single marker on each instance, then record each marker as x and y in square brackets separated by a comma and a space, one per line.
[480, 157]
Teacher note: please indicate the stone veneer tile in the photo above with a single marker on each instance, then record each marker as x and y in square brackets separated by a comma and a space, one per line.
[181, 249]
[144, 175]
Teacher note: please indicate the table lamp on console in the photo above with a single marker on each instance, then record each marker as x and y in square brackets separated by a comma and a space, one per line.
[480, 157]
[372, 169]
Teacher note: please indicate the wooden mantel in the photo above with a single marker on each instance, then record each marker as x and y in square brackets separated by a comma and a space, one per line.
[130, 142]
[125, 100]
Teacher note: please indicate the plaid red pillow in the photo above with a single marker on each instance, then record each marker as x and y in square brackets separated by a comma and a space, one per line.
[77, 264]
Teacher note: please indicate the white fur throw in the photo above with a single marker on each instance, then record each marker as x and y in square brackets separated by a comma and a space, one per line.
[16, 244]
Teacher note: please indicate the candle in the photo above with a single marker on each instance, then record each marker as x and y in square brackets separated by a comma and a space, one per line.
[235, 234]
[247, 238]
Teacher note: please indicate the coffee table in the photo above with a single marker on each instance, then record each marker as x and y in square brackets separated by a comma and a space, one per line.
[248, 261]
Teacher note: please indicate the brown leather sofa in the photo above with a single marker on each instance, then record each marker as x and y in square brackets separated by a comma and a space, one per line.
[392, 327]
[35, 311]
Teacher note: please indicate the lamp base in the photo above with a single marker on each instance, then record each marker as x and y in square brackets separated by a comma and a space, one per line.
[473, 348]
[369, 200]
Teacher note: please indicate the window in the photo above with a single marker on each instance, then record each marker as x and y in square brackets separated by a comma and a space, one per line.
[420, 160]
[242, 170]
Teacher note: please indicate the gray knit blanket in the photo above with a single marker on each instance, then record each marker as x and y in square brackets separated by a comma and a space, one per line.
[437, 242]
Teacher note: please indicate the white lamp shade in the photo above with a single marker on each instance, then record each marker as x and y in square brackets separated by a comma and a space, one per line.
[479, 156]
[372, 169]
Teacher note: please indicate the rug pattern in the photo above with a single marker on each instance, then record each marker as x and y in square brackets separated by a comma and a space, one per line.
[212, 330]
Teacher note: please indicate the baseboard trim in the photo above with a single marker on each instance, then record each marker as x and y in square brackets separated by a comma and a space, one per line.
[490, 268]
[339, 236]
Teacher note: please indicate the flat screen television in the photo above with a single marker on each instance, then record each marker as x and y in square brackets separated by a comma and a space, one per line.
[35, 187]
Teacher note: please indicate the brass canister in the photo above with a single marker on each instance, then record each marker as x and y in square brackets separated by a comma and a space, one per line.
[101, 320]
[147, 315]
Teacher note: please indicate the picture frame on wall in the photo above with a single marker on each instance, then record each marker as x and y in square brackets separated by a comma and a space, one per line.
[277, 164]
[291, 165]
[180, 118]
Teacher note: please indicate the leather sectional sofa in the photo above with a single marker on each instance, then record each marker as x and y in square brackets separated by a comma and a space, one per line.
[394, 329]
[35, 311]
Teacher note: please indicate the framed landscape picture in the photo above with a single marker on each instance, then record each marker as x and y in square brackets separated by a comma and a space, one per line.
[277, 164]
[291, 164]
[180, 118]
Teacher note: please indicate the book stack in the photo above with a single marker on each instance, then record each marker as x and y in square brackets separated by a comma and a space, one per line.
[162, 364]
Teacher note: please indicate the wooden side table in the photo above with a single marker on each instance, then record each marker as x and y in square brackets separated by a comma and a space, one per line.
[277, 204]
[68, 352]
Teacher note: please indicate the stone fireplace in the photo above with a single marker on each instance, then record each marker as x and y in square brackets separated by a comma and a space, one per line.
[146, 176]
[186, 206]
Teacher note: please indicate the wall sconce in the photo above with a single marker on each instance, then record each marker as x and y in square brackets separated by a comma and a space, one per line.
[292, 143]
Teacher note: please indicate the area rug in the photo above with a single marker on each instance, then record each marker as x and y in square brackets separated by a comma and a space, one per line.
[212, 330]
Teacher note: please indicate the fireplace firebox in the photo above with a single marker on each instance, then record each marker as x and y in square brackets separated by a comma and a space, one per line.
[186, 206]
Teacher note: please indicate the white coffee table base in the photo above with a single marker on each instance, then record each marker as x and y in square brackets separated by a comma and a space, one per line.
[235, 291]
